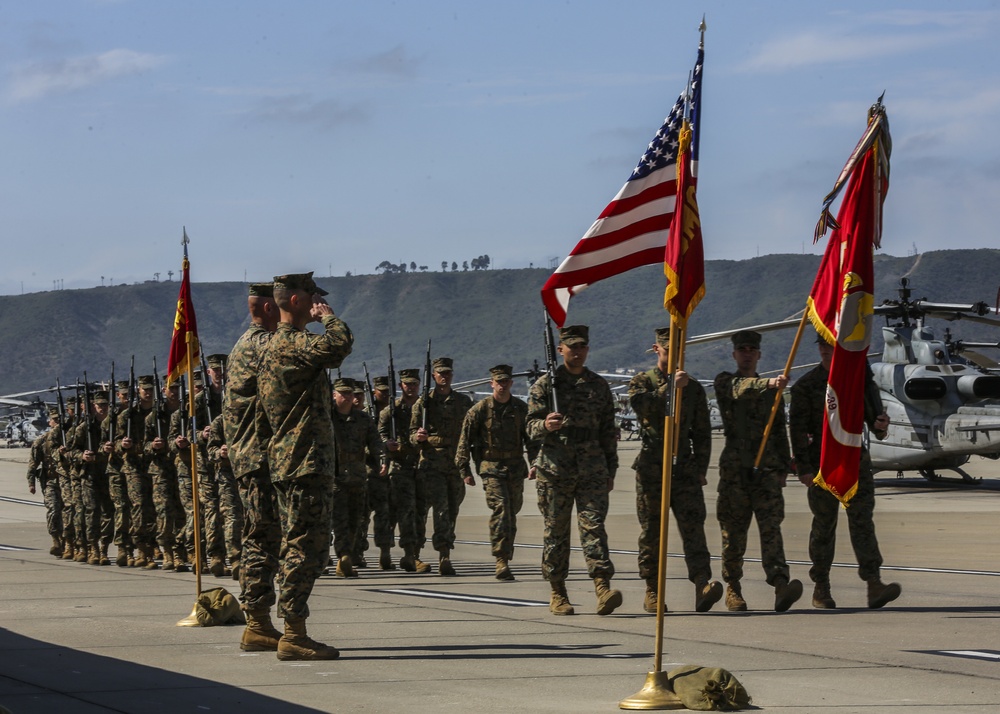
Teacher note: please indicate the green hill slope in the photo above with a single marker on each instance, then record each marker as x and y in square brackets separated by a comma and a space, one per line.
[479, 318]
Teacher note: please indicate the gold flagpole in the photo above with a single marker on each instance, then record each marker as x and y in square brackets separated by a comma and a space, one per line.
[657, 693]
[191, 620]
[778, 397]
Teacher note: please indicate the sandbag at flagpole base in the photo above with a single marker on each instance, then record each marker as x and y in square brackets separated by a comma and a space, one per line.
[656, 695]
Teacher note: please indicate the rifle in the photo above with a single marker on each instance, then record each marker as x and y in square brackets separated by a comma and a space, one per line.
[184, 405]
[369, 393]
[208, 386]
[392, 396]
[86, 411]
[131, 399]
[550, 360]
[157, 400]
[425, 393]
[62, 411]
[112, 405]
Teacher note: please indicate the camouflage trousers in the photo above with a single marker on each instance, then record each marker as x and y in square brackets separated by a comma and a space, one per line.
[504, 497]
[169, 510]
[94, 520]
[231, 507]
[210, 507]
[52, 498]
[409, 503]
[556, 497]
[860, 523]
[306, 503]
[742, 497]
[687, 503]
[184, 537]
[347, 515]
[380, 511]
[122, 508]
[261, 541]
[444, 491]
[143, 514]
[80, 519]
[68, 509]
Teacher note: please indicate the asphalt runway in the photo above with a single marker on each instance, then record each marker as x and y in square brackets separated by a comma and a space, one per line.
[79, 638]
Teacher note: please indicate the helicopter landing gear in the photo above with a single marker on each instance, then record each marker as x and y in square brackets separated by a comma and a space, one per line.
[929, 474]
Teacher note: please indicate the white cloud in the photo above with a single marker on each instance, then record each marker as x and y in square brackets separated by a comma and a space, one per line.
[33, 81]
[817, 48]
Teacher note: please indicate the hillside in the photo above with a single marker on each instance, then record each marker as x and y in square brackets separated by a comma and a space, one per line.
[478, 317]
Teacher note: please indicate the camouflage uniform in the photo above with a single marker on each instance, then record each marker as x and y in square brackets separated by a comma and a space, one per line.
[166, 492]
[40, 468]
[357, 442]
[294, 412]
[406, 484]
[443, 485]
[95, 513]
[647, 393]
[212, 539]
[806, 431]
[494, 435]
[574, 465]
[261, 540]
[60, 466]
[118, 489]
[745, 404]
[135, 467]
[230, 500]
[379, 509]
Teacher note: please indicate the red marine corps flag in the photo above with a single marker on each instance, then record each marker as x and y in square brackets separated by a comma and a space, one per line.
[841, 303]
[184, 324]
[632, 230]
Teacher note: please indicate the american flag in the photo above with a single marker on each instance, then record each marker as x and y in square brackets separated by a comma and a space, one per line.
[632, 230]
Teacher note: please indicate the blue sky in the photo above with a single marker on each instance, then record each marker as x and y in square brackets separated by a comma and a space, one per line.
[332, 136]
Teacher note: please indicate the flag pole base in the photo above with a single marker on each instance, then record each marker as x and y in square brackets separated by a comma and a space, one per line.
[191, 620]
[656, 694]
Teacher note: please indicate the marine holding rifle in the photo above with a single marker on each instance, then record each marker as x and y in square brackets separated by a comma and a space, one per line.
[745, 491]
[576, 463]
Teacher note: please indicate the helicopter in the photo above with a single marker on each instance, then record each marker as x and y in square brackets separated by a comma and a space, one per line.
[943, 408]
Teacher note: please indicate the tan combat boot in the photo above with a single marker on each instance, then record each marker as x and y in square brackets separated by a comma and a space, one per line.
[559, 601]
[218, 566]
[385, 559]
[260, 634]
[503, 570]
[141, 559]
[57, 547]
[94, 553]
[359, 561]
[105, 560]
[80, 555]
[649, 600]
[295, 644]
[734, 597]
[786, 593]
[706, 594]
[151, 563]
[181, 563]
[345, 569]
[880, 594]
[67, 553]
[608, 600]
[234, 565]
[123, 557]
[444, 565]
[168, 559]
[822, 598]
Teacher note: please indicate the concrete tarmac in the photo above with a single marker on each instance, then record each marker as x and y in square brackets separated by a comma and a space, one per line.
[80, 638]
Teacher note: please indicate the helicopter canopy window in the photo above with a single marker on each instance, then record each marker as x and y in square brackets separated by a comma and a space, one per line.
[925, 388]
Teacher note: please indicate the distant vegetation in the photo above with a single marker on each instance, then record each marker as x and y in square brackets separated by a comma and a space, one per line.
[479, 317]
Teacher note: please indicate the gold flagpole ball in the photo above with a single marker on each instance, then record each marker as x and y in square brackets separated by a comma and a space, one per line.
[656, 694]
